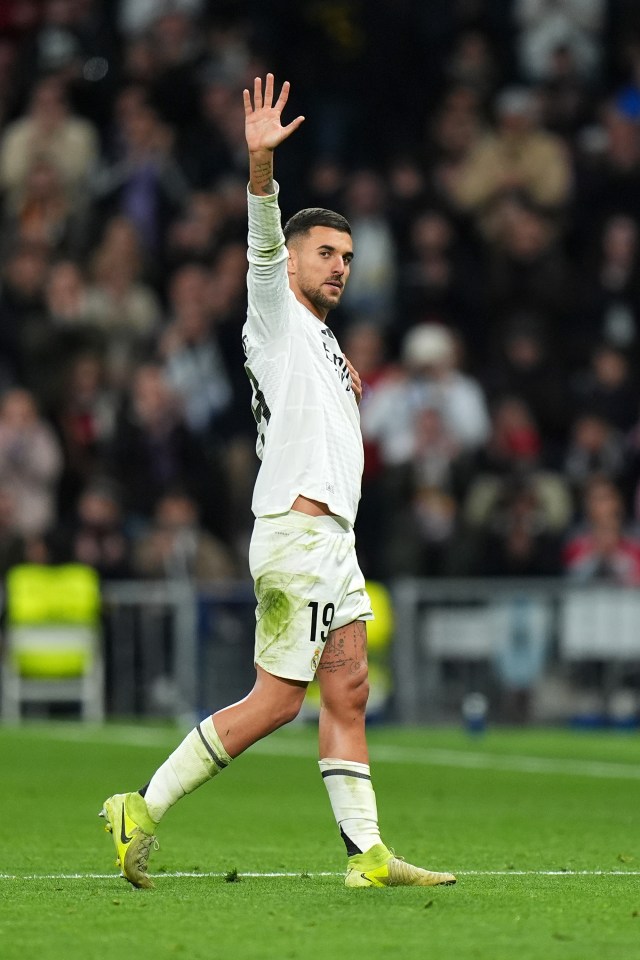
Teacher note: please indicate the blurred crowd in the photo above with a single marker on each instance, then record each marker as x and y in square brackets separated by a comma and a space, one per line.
[487, 155]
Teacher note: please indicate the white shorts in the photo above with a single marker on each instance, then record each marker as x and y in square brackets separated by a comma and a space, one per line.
[307, 582]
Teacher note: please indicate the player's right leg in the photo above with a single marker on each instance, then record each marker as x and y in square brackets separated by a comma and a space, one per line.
[132, 818]
[285, 661]
[133, 832]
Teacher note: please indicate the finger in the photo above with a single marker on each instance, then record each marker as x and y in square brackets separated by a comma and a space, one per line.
[248, 108]
[268, 90]
[284, 96]
[290, 127]
[257, 93]
[351, 367]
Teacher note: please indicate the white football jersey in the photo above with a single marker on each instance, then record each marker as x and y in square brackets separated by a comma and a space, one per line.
[309, 437]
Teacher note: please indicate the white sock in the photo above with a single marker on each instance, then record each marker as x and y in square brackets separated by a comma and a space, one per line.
[197, 759]
[353, 802]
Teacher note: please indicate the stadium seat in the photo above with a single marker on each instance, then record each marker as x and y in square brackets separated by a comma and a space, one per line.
[52, 649]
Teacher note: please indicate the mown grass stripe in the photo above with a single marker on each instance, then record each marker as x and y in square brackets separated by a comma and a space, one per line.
[426, 756]
[317, 873]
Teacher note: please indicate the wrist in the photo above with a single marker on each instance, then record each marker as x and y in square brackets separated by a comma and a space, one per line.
[261, 173]
[263, 155]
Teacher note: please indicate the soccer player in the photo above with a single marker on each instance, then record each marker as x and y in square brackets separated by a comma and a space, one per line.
[311, 599]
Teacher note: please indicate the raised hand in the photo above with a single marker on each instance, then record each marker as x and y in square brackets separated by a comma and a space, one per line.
[263, 127]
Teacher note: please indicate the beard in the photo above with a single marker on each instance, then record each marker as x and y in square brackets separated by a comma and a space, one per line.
[319, 298]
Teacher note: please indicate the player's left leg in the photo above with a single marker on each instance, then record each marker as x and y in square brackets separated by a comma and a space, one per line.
[344, 763]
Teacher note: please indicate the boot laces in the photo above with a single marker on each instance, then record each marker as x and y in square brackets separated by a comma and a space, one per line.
[146, 842]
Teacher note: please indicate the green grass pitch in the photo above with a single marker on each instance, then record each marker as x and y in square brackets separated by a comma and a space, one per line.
[541, 827]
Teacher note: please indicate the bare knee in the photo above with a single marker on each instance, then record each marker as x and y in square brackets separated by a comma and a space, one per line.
[279, 700]
[347, 697]
[357, 693]
[285, 712]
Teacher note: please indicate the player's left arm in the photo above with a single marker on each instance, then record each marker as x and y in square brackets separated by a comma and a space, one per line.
[356, 382]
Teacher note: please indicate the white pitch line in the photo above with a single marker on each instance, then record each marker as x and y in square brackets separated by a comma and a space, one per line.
[425, 756]
[299, 874]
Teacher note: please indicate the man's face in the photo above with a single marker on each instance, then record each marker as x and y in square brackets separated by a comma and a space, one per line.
[319, 266]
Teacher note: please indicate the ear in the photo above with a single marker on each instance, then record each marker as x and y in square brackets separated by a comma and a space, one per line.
[292, 262]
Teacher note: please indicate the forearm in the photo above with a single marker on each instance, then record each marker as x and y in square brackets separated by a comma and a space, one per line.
[261, 173]
[267, 282]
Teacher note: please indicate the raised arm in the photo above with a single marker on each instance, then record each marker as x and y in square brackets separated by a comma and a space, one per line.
[264, 132]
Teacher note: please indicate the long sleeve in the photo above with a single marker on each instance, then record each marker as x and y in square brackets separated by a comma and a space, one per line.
[267, 281]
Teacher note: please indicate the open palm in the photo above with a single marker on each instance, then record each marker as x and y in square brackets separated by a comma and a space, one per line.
[263, 126]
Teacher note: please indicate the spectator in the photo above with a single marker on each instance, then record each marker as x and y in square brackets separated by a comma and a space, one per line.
[139, 63]
[511, 455]
[517, 540]
[608, 388]
[85, 417]
[440, 279]
[226, 289]
[408, 194]
[208, 150]
[372, 284]
[608, 310]
[153, 451]
[66, 295]
[527, 268]
[517, 158]
[546, 25]
[195, 235]
[473, 63]
[566, 94]
[602, 548]
[195, 366]
[423, 521]
[326, 181]
[59, 332]
[365, 346]
[96, 536]
[136, 17]
[30, 463]
[607, 172]
[48, 130]
[432, 378]
[595, 448]
[21, 307]
[42, 213]
[119, 304]
[456, 131]
[527, 366]
[143, 182]
[178, 548]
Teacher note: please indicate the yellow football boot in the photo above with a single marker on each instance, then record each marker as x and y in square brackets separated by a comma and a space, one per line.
[379, 867]
[132, 829]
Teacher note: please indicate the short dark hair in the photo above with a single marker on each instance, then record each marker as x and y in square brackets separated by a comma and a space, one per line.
[302, 221]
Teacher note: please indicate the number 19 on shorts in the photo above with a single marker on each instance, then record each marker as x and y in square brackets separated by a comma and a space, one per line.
[325, 616]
